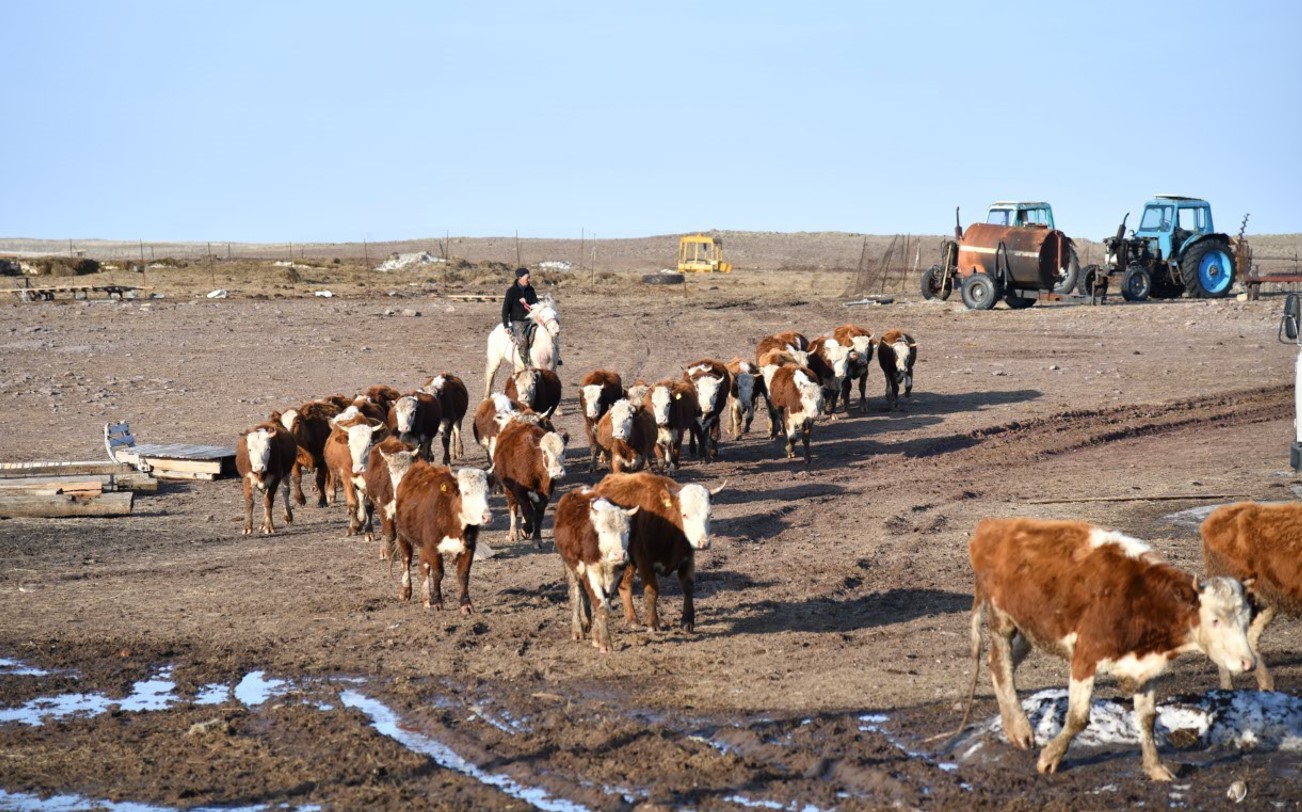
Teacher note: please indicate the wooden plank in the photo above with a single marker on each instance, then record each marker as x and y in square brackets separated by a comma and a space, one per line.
[65, 505]
[207, 476]
[80, 487]
[135, 481]
[181, 451]
[160, 464]
[107, 480]
[11, 469]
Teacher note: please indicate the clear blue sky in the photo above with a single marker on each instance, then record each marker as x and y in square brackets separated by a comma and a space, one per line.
[327, 121]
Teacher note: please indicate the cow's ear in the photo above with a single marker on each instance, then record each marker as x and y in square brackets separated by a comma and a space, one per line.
[275, 416]
[1198, 584]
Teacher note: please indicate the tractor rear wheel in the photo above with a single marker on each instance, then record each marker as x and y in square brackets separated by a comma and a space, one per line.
[1016, 302]
[980, 291]
[1136, 284]
[1065, 281]
[931, 284]
[1208, 270]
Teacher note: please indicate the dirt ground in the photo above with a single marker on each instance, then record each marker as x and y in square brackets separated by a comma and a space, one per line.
[831, 640]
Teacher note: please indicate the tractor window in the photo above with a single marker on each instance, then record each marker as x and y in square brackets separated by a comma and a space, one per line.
[1035, 216]
[998, 217]
[1156, 218]
[1194, 220]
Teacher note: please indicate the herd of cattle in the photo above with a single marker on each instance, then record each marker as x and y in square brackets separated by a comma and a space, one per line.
[1102, 600]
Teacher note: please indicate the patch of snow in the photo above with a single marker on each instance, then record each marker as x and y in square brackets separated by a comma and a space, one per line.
[555, 265]
[398, 262]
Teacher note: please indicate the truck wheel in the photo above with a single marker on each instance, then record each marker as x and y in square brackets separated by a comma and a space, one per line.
[931, 287]
[980, 291]
[1066, 279]
[1208, 270]
[1136, 284]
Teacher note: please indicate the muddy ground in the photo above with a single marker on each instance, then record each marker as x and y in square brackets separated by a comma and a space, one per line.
[831, 638]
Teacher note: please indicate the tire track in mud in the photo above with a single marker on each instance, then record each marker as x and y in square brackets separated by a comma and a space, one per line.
[1016, 444]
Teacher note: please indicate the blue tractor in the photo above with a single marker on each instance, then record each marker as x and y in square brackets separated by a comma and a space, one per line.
[1174, 250]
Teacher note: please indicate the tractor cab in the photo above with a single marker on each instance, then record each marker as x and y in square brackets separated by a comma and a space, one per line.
[1010, 213]
[1172, 222]
[702, 253]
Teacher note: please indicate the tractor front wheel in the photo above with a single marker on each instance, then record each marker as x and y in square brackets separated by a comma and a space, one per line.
[1208, 270]
[980, 291]
[935, 284]
[1136, 284]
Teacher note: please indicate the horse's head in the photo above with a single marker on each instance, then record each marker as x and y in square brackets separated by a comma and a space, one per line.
[545, 315]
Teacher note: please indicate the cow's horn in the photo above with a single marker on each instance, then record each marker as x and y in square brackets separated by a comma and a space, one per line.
[715, 491]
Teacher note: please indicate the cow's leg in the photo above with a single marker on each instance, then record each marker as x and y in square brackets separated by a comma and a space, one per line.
[626, 595]
[1079, 691]
[775, 419]
[433, 567]
[715, 431]
[368, 524]
[320, 478]
[863, 392]
[331, 484]
[1145, 715]
[687, 579]
[464, 560]
[845, 390]
[806, 433]
[404, 558]
[1265, 681]
[578, 628]
[289, 510]
[388, 532]
[248, 506]
[268, 504]
[296, 476]
[650, 593]
[537, 506]
[598, 614]
[350, 499]
[892, 393]
[1002, 662]
[511, 508]
[460, 450]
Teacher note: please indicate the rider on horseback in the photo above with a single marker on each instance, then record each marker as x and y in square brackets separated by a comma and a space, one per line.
[515, 312]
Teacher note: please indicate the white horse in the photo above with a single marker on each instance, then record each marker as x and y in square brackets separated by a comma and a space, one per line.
[544, 347]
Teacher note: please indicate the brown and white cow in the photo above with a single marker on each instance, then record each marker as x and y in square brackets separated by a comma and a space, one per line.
[830, 360]
[672, 523]
[382, 395]
[896, 353]
[454, 400]
[490, 414]
[592, 538]
[346, 454]
[527, 461]
[598, 391]
[744, 391]
[379, 489]
[796, 395]
[769, 363]
[861, 340]
[264, 458]
[310, 425]
[1260, 545]
[674, 407]
[417, 419]
[627, 435]
[789, 342]
[712, 382]
[539, 389]
[637, 392]
[439, 513]
[1106, 603]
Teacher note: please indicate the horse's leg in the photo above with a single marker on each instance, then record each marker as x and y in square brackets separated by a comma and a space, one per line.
[494, 362]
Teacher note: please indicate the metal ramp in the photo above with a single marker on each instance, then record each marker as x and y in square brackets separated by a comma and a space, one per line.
[167, 460]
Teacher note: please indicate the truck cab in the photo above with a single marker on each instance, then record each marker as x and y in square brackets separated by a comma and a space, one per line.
[702, 253]
[1015, 213]
[1173, 222]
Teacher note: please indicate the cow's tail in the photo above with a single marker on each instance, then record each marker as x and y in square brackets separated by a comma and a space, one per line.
[978, 603]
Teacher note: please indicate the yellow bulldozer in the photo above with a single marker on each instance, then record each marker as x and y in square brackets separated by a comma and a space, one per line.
[701, 253]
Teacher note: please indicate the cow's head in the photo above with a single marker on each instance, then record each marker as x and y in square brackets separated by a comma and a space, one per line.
[1223, 618]
[811, 394]
[745, 390]
[404, 411]
[288, 419]
[660, 399]
[526, 385]
[435, 385]
[693, 504]
[707, 389]
[637, 393]
[837, 357]
[258, 442]
[472, 484]
[399, 464]
[361, 436]
[621, 420]
[903, 371]
[552, 446]
[863, 346]
[611, 523]
[591, 395]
